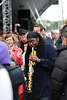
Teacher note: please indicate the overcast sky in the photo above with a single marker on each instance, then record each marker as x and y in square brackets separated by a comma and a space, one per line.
[56, 12]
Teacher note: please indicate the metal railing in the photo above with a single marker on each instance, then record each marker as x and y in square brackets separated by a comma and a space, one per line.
[7, 16]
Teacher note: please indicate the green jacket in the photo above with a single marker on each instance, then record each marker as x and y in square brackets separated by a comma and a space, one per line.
[58, 43]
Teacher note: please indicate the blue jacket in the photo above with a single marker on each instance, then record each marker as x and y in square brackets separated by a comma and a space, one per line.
[50, 40]
[42, 74]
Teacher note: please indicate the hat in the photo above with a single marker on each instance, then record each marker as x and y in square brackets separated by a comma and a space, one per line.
[22, 31]
[4, 54]
[33, 34]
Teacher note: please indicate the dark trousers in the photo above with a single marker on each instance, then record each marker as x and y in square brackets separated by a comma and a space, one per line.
[45, 98]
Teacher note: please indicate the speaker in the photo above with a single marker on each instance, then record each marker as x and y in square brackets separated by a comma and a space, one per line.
[24, 24]
[23, 13]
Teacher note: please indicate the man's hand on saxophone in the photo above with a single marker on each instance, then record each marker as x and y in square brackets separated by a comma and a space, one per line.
[35, 59]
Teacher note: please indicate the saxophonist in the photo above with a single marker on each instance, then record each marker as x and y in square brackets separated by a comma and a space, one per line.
[44, 58]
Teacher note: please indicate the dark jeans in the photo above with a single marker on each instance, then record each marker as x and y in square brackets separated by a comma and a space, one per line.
[45, 98]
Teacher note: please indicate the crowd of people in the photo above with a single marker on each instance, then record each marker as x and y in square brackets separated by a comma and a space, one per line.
[33, 65]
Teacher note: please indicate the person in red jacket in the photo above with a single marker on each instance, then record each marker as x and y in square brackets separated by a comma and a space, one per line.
[15, 49]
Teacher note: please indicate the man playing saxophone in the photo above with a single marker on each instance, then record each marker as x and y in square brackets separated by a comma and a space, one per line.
[43, 59]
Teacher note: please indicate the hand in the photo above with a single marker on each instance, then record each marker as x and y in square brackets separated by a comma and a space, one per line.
[35, 59]
[11, 54]
[19, 53]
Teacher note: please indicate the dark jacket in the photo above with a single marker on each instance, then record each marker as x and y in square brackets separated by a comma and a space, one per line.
[17, 78]
[50, 40]
[42, 74]
[22, 45]
[59, 76]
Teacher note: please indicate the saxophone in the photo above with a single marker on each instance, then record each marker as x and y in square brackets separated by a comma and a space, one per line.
[30, 74]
